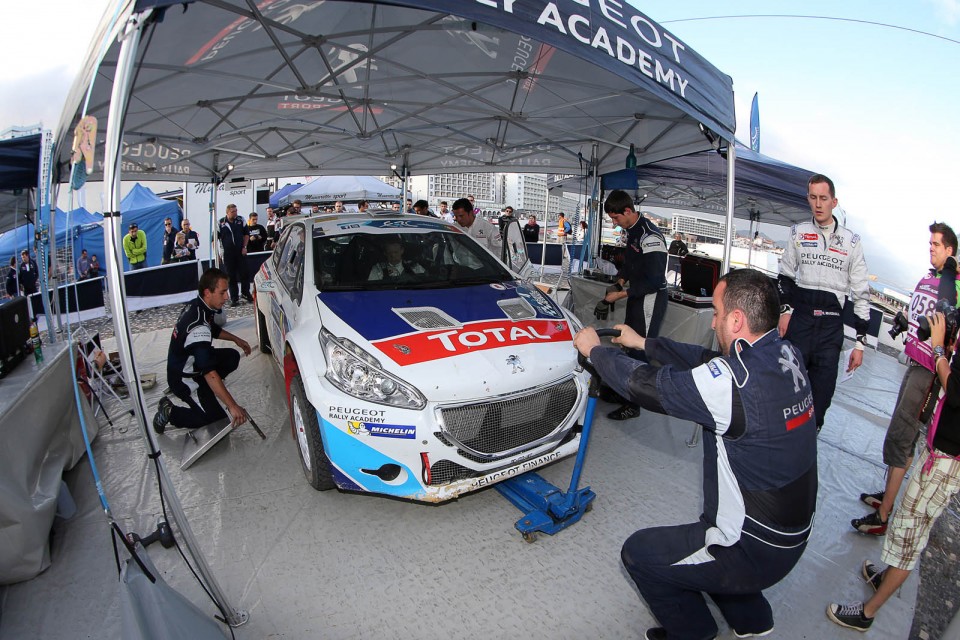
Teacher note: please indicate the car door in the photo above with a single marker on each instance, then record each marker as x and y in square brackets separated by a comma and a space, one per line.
[288, 271]
[514, 250]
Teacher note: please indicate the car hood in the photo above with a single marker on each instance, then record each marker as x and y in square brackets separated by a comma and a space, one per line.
[458, 343]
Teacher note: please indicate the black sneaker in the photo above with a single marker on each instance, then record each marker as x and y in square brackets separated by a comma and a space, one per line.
[849, 616]
[625, 412]
[656, 633]
[247, 297]
[235, 303]
[753, 634]
[870, 524]
[872, 500]
[872, 574]
[162, 417]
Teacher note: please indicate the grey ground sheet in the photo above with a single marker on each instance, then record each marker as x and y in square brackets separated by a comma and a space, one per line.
[334, 565]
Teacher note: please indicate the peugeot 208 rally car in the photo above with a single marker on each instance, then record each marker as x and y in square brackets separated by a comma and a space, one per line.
[416, 364]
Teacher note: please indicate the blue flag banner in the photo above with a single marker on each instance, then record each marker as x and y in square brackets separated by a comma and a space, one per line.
[755, 125]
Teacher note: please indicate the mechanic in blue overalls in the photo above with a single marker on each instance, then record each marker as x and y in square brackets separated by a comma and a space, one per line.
[759, 461]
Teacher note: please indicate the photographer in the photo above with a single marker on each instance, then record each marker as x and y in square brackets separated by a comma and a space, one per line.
[932, 486]
[905, 423]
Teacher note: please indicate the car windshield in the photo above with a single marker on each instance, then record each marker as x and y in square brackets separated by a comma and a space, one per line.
[408, 260]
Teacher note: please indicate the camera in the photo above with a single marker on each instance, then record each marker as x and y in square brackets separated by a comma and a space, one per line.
[950, 316]
[900, 324]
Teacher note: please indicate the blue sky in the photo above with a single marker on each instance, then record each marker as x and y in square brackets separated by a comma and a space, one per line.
[872, 107]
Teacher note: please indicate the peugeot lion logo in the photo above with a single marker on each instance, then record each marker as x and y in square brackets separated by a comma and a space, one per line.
[514, 361]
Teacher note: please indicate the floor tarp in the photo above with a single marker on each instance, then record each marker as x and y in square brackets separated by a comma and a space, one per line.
[307, 565]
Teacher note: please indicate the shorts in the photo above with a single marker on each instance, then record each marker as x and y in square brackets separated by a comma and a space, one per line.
[904, 429]
[924, 500]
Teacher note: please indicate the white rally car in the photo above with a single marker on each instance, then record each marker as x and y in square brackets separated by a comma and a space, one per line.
[416, 364]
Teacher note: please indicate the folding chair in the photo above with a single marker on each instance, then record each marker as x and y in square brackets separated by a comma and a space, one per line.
[99, 374]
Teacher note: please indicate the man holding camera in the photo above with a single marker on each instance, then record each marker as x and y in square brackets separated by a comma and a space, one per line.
[822, 265]
[645, 268]
[904, 429]
[933, 484]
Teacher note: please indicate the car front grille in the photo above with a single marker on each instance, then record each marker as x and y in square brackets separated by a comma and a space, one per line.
[444, 472]
[493, 430]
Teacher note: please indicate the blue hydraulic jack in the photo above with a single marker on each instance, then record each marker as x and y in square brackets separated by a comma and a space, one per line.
[547, 509]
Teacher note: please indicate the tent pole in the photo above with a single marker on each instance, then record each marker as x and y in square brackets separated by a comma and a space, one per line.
[594, 222]
[731, 179]
[111, 182]
[214, 254]
[43, 188]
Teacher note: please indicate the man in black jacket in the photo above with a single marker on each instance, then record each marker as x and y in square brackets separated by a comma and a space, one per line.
[531, 230]
[759, 461]
[234, 236]
[195, 368]
[644, 268]
[28, 273]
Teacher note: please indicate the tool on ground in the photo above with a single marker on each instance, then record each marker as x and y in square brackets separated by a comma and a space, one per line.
[162, 533]
[253, 424]
[546, 508]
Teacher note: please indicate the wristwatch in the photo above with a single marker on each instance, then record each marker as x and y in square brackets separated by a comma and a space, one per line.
[785, 308]
[938, 352]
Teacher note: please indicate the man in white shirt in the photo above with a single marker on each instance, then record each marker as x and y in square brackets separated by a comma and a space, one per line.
[445, 213]
[480, 230]
[394, 267]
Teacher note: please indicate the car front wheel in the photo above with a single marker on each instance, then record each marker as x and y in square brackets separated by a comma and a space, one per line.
[306, 431]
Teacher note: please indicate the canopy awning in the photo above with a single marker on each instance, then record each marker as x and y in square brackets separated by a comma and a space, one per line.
[434, 86]
[766, 189]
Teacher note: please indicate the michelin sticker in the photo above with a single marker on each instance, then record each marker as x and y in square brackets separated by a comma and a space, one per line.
[357, 428]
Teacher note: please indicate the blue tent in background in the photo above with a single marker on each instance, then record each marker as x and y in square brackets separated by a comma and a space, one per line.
[282, 191]
[80, 220]
[145, 208]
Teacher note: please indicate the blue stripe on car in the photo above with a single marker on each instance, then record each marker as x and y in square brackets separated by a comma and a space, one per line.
[370, 312]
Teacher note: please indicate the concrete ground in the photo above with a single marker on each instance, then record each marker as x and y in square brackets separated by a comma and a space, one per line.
[306, 564]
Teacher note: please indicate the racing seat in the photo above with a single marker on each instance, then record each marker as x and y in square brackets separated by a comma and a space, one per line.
[357, 260]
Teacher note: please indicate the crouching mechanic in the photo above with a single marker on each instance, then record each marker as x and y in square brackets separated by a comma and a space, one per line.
[195, 368]
[759, 461]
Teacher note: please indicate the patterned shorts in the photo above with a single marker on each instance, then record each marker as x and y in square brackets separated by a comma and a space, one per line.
[925, 498]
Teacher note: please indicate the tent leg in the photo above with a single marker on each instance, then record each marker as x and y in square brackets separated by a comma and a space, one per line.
[123, 79]
[731, 181]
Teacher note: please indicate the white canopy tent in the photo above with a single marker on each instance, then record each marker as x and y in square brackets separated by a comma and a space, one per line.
[329, 189]
[198, 90]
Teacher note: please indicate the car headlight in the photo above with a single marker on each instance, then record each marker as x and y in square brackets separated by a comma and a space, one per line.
[357, 373]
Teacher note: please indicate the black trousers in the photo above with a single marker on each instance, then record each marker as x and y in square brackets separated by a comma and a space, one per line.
[820, 340]
[636, 319]
[202, 404]
[235, 264]
[672, 573]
